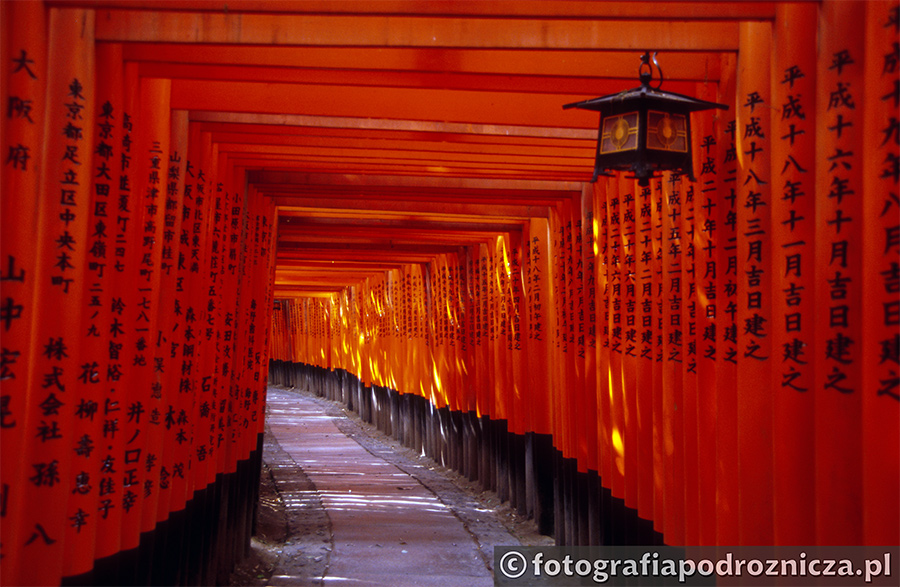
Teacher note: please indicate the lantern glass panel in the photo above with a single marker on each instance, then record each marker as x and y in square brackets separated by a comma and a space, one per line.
[620, 133]
[667, 132]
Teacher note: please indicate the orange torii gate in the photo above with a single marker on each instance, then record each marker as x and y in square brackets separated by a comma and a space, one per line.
[141, 427]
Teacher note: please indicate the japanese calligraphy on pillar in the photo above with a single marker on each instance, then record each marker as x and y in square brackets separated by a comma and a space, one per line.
[59, 288]
[533, 256]
[793, 271]
[727, 265]
[516, 297]
[880, 353]
[703, 304]
[838, 263]
[23, 58]
[794, 220]
[706, 259]
[754, 250]
[673, 349]
[629, 270]
[539, 314]
[841, 226]
[727, 485]
[754, 279]
[690, 398]
[152, 151]
[561, 259]
[674, 260]
[196, 354]
[235, 293]
[688, 282]
[589, 293]
[215, 312]
[576, 279]
[643, 278]
[225, 325]
[626, 424]
[119, 422]
[99, 375]
[590, 280]
[62, 370]
[615, 250]
[882, 177]
[169, 364]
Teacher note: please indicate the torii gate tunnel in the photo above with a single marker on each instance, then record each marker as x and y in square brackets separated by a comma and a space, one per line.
[385, 201]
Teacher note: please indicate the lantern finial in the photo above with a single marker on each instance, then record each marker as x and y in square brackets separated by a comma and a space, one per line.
[646, 76]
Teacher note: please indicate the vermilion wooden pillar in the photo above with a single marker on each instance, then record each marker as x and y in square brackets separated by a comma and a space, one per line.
[118, 529]
[880, 348]
[460, 332]
[199, 174]
[562, 432]
[99, 350]
[151, 153]
[727, 481]
[706, 336]
[615, 432]
[754, 278]
[518, 373]
[498, 282]
[838, 263]
[628, 349]
[672, 349]
[572, 281]
[268, 237]
[212, 436]
[245, 315]
[604, 304]
[540, 325]
[219, 323]
[689, 391]
[644, 298]
[576, 281]
[55, 377]
[249, 252]
[392, 342]
[483, 300]
[24, 47]
[189, 285]
[233, 294]
[793, 244]
[590, 259]
[658, 316]
[107, 265]
[174, 472]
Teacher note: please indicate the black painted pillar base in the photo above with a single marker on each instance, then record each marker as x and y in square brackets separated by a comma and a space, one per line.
[525, 469]
[197, 545]
[501, 458]
[540, 463]
[517, 481]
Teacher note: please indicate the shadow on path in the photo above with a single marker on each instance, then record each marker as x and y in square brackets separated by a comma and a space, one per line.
[341, 503]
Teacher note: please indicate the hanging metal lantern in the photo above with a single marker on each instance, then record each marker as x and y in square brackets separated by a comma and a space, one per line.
[644, 130]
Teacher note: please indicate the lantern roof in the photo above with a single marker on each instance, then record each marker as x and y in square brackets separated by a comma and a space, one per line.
[645, 96]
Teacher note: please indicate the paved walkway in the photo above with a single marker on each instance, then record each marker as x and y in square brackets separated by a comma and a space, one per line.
[384, 526]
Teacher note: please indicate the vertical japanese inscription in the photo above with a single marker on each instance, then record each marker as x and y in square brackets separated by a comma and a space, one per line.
[841, 222]
[24, 77]
[794, 220]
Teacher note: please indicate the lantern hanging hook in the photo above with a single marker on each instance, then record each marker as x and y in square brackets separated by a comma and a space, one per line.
[647, 75]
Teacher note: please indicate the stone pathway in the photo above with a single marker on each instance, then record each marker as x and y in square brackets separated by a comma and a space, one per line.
[359, 512]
